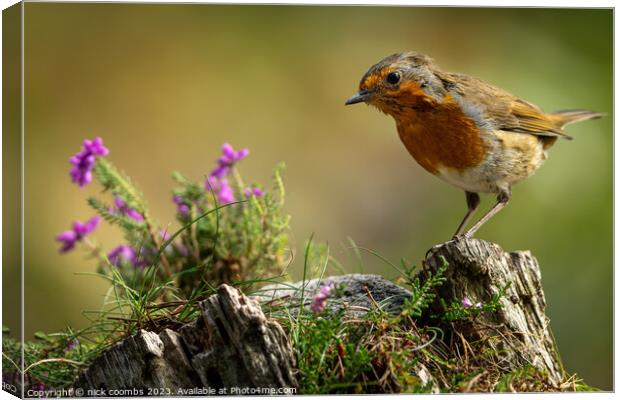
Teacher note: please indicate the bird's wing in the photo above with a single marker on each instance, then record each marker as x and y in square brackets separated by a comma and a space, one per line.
[505, 111]
[527, 118]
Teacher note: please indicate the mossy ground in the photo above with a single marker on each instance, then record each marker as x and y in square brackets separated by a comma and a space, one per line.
[381, 352]
[378, 352]
[244, 244]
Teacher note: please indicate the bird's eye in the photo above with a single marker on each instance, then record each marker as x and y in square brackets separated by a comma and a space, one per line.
[393, 78]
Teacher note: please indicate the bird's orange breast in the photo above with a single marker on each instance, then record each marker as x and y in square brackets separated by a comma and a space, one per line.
[442, 136]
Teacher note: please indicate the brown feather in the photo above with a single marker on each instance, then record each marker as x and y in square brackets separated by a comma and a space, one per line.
[565, 117]
[532, 119]
[506, 111]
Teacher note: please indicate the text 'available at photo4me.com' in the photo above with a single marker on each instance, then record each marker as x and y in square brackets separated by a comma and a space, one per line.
[125, 392]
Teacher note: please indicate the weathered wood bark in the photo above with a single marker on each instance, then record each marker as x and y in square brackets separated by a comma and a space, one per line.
[233, 345]
[519, 329]
[231, 349]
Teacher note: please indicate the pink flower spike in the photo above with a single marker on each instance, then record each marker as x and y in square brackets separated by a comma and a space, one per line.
[68, 240]
[228, 151]
[319, 301]
[226, 194]
[82, 229]
[241, 154]
[79, 230]
[466, 302]
[125, 253]
[124, 209]
[72, 345]
[227, 160]
[249, 191]
[84, 161]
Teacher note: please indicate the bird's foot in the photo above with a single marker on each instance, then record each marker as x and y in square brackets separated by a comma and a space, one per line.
[455, 238]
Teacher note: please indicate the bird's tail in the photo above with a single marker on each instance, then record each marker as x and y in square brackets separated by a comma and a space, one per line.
[565, 117]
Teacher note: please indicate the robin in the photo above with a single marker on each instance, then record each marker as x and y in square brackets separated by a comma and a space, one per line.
[467, 132]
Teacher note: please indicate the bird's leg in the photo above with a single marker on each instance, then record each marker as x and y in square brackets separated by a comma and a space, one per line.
[473, 200]
[502, 200]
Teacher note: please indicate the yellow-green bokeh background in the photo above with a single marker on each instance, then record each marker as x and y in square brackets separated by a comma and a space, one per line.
[165, 85]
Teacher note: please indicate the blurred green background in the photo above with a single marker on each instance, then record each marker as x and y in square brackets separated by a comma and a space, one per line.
[166, 85]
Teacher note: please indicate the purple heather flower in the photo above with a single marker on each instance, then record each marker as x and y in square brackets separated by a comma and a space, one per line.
[253, 192]
[220, 171]
[319, 301]
[72, 345]
[468, 303]
[230, 156]
[82, 165]
[68, 239]
[124, 209]
[122, 253]
[222, 188]
[227, 160]
[226, 194]
[82, 229]
[164, 234]
[84, 161]
[182, 208]
[217, 181]
[228, 151]
[77, 233]
[96, 147]
[212, 183]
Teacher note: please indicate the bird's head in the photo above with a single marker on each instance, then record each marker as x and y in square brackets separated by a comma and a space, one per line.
[400, 83]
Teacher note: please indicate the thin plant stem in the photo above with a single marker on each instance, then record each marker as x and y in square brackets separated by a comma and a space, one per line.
[162, 256]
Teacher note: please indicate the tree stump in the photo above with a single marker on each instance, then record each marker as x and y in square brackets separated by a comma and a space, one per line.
[515, 336]
[231, 349]
[233, 346]
[519, 330]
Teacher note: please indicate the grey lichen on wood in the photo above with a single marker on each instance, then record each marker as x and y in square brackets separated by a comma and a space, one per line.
[359, 293]
[519, 329]
[354, 295]
[232, 346]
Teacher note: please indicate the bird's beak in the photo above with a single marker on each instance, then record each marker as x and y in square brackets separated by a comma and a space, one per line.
[361, 96]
